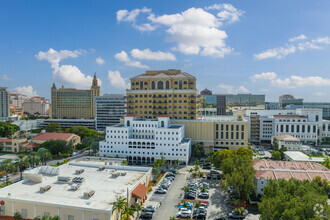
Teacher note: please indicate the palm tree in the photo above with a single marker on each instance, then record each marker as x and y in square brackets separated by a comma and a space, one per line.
[124, 163]
[173, 218]
[118, 205]
[7, 166]
[23, 162]
[186, 189]
[45, 155]
[127, 212]
[34, 159]
[196, 169]
[138, 208]
[197, 204]
[201, 174]
[203, 189]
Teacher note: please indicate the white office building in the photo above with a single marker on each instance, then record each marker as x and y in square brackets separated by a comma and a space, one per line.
[143, 141]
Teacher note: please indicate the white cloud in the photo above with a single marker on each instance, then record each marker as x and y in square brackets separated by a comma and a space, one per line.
[66, 73]
[195, 30]
[319, 94]
[297, 38]
[281, 52]
[26, 90]
[116, 80]
[228, 12]
[131, 16]
[227, 88]
[5, 77]
[292, 81]
[100, 61]
[123, 57]
[147, 54]
[263, 76]
[242, 89]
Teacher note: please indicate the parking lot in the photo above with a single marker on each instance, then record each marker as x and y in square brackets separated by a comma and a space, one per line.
[218, 199]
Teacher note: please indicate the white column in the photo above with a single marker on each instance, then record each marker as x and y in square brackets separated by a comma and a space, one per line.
[58, 211]
[83, 215]
[12, 208]
[35, 210]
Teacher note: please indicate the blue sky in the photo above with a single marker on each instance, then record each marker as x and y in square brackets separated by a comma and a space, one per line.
[261, 47]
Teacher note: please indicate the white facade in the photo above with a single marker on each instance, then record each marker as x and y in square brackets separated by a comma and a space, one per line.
[36, 105]
[326, 128]
[267, 128]
[17, 99]
[288, 142]
[146, 140]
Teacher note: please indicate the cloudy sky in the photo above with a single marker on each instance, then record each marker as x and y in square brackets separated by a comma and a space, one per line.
[256, 46]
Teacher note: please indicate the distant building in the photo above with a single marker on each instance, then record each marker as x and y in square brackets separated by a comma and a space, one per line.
[287, 99]
[325, 106]
[288, 142]
[109, 110]
[244, 101]
[73, 103]
[276, 170]
[163, 92]
[206, 92]
[17, 99]
[271, 106]
[13, 145]
[16, 111]
[36, 106]
[217, 101]
[143, 141]
[298, 156]
[67, 123]
[4, 104]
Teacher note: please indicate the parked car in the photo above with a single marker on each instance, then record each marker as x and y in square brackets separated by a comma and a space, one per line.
[200, 215]
[214, 172]
[161, 191]
[236, 215]
[184, 214]
[203, 195]
[186, 206]
[163, 186]
[170, 174]
[150, 208]
[189, 196]
[146, 215]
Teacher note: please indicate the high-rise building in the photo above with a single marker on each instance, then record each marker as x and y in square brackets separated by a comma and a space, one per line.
[244, 101]
[287, 99]
[110, 108]
[163, 92]
[17, 99]
[4, 104]
[74, 103]
[36, 106]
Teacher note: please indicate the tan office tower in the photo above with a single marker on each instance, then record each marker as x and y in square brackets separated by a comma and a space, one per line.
[74, 103]
[163, 92]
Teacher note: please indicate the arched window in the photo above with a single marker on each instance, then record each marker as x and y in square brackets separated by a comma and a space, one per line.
[167, 84]
[153, 85]
[162, 124]
[128, 123]
[160, 85]
[180, 84]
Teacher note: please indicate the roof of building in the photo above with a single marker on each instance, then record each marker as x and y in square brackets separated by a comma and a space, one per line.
[286, 137]
[53, 136]
[107, 188]
[5, 140]
[290, 169]
[290, 116]
[299, 156]
[140, 191]
[163, 74]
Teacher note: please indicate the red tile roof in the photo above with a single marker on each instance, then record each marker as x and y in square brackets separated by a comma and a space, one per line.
[140, 191]
[266, 174]
[53, 136]
[5, 140]
[31, 146]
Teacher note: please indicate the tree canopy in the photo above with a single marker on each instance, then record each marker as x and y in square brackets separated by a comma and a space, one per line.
[82, 131]
[276, 155]
[7, 129]
[198, 151]
[56, 146]
[294, 199]
[53, 127]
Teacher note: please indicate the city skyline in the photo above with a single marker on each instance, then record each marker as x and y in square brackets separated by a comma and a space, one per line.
[271, 48]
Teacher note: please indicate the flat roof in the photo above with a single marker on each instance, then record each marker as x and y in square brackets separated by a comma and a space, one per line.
[106, 187]
[299, 156]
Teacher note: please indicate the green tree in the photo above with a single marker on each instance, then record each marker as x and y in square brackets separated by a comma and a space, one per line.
[118, 205]
[88, 141]
[326, 162]
[127, 212]
[7, 129]
[293, 199]
[220, 155]
[7, 166]
[203, 189]
[53, 127]
[95, 147]
[45, 155]
[34, 159]
[196, 169]
[124, 163]
[276, 155]
[56, 146]
[17, 216]
[186, 189]
[22, 163]
[197, 150]
[173, 218]
[138, 208]
[82, 131]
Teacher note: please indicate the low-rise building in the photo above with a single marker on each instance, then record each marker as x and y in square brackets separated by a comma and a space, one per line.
[298, 156]
[288, 142]
[143, 141]
[80, 190]
[13, 145]
[67, 123]
[276, 170]
[218, 132]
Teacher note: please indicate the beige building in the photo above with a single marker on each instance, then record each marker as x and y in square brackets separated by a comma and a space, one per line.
[80, 190]
[74, 103]
[13, 145]
[36, 106]
[287, 141]
[17, 99]
[163, 92]
[217, 132]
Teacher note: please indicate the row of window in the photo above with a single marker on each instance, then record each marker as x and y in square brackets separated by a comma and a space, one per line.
[148, 153]
[163, 96]
[296, 128]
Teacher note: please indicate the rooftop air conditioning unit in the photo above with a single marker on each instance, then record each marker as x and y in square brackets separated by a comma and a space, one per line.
[123, 174]
[89, 193]
[101, 168]
[63, 178]
[45, 188]
[80, 171]
[78, 179]
[74, 187]
[115, 175]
